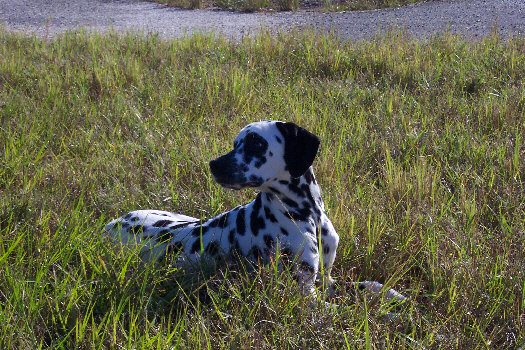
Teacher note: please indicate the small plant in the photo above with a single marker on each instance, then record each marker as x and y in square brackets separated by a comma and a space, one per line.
[195, 4]
[185, 4]
[287, 5]
[242, 5]
[253, 5]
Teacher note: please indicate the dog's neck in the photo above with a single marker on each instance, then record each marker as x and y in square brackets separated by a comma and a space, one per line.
[301, 196]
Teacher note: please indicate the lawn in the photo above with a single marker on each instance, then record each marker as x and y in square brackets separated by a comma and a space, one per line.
[422, 166]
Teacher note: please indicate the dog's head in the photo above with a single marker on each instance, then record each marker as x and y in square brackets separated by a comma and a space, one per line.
[264, 152]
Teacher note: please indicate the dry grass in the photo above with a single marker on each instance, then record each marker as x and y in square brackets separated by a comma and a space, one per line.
[286, 5]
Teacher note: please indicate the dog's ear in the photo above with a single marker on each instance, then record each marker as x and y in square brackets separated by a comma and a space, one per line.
[300, 148]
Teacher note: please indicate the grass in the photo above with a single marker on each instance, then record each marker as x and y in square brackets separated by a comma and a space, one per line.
[421, 163]
[286, 5]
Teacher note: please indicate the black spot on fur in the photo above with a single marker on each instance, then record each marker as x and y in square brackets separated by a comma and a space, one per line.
[256, 252]
[306, 190]
[184, 224]
[284, 232]
[255, 147]
[268, 241]
[260, 162]
[199, 230]
[270, 154]
[274, 190]
[290, 202]
[162, 223]
[231, 236]
[324, 231]
[269, 214]
[125, 225]
[310, 204]
[293, 186]
[309, 176]
[224, 221]
[286, 252]
[305, 266]
[313, 249]
[278, 139]
[220, 221]
[196, 246]
[137, 229]
[133, 219]
[235, 249]
[127, 216]
[326, 250]
[163, 236]
[212, 248]
[298, 214]
[241, 222]
[287, 255]
[213, 223]
[256, 179]
[175, 247]
[283, 182]
[257, 223]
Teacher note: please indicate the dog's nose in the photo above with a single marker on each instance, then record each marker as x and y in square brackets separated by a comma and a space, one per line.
[224, 166]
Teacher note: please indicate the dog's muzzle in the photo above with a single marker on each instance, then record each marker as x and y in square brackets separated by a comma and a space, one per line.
[228, 173]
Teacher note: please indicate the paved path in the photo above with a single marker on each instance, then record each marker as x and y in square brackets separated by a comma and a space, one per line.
[473, 18]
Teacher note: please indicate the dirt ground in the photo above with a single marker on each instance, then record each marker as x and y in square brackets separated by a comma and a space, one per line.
[473, 18]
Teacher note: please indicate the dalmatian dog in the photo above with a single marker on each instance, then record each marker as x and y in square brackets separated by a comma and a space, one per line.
[287, 217]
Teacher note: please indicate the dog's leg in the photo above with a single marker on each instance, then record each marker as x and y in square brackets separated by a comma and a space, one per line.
[306, 272]
[376, 289]
[329, 241]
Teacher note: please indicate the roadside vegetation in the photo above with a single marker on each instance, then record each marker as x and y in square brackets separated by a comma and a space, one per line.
[287, 5]
[422, 166]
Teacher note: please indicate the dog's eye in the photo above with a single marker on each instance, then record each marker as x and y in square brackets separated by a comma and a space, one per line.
[255, 144]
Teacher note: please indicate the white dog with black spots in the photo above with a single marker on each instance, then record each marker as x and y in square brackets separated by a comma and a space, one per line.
[287, 217]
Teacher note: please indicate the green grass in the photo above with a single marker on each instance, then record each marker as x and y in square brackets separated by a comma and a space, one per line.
[421, 163]
[286, 5]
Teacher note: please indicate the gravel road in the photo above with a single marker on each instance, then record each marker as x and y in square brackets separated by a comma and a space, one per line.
[473, 18]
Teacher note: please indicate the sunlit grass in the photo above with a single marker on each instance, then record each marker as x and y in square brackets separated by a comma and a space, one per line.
[421, 166]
